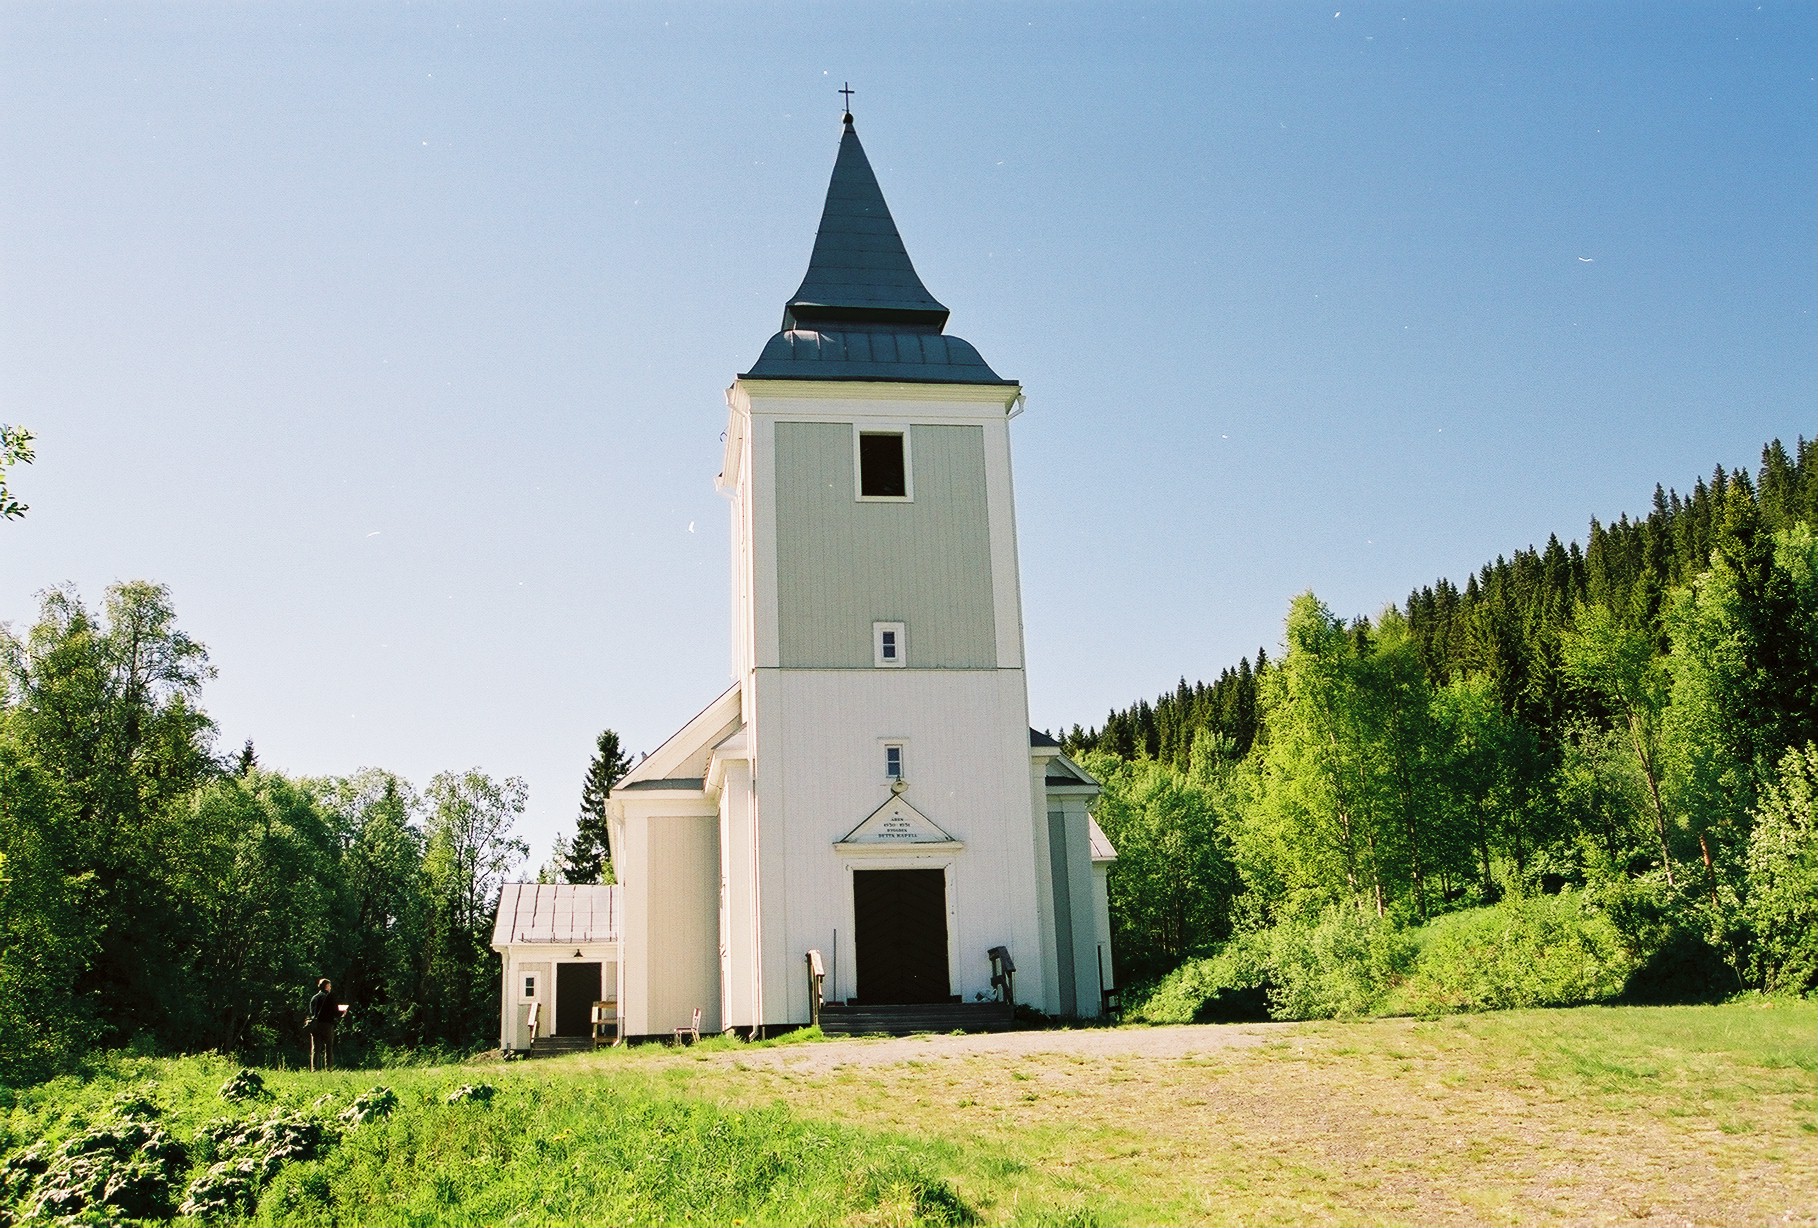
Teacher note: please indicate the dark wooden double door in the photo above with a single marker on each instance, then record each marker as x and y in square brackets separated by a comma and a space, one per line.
[900, 919]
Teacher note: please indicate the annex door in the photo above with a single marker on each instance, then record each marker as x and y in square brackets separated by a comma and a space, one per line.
[577, 989]
[900, 919]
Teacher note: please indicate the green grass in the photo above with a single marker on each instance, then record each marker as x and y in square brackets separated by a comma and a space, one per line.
[1589, 1115]
[1602, 1114]
[1691, 1055]
[556, 1144]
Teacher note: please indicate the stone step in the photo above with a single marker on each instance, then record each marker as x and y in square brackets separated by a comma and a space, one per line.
[840, 1019]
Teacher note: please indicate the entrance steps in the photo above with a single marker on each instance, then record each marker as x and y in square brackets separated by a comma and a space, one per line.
[845, 1019]
[555, 1046]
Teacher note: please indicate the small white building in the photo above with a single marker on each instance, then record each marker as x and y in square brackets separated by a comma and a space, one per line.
[867, 797]
[560, 947]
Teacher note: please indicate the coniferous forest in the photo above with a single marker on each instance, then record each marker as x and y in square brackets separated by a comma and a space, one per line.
[1586, 774]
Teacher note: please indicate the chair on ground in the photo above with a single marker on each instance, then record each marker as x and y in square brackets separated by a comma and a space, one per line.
[691, 1033]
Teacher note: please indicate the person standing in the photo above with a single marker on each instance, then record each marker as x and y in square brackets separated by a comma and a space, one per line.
[324, 1014]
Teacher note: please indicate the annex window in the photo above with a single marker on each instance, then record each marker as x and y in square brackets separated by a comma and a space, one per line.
[883, 464]
[893, 761]
[887, 647]
[530, 986]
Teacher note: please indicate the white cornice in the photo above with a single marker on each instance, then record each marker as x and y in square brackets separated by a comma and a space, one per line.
[869, 397]
[686, 742]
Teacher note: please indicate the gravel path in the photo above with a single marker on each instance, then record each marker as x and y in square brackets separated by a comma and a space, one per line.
[1170, 1042]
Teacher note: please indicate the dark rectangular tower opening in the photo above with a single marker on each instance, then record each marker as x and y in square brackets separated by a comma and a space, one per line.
[882, 468]
[901, 921]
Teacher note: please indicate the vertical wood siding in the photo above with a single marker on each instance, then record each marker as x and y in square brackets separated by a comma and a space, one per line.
[1058, 854]
[843, 564]
[818, 734]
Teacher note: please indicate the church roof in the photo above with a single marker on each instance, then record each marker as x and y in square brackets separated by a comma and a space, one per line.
[873, 353]
[862, 312]
[692, 783]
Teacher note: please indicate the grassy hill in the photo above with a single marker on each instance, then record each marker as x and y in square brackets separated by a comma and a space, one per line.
[1633, 1115]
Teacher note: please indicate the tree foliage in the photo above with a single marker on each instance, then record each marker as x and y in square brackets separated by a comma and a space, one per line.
[1174, 883]
[1625, 719]
[1783, 875]
[587, 858]
[469, 851]
[157, 892]
[15, 449]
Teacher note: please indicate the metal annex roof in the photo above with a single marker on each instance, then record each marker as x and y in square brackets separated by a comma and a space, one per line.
[862, 312]
[559, 913]
[1101, 844]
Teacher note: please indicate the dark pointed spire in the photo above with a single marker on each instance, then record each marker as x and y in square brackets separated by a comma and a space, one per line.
[861, 312]
[859, 272]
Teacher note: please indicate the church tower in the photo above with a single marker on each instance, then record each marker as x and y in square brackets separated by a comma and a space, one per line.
[878, 798]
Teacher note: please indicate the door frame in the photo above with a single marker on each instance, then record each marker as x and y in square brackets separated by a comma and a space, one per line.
[847, 971]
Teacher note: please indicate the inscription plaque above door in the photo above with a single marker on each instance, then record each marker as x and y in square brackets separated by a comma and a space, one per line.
[894, 824]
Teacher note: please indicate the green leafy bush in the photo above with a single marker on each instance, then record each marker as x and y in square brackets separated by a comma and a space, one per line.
[1546, 950]
[245, 1085]
[1228, 987]
[123, 1168]
[371, 1105]
[1340, 967]
[1783, 876]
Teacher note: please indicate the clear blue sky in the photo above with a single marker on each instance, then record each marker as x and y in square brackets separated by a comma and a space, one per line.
[392, 337]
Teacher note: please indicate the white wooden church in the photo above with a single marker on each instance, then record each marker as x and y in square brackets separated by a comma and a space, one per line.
[863, 830]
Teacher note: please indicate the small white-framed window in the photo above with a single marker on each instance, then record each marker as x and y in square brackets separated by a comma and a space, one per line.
[530, 986]
[889, 648]
[893, 761]
[880, 456]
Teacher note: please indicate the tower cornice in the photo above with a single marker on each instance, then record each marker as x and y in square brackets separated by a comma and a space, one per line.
[862, 397]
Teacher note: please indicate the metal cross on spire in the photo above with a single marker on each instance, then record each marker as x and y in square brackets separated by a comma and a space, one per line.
[848, 91]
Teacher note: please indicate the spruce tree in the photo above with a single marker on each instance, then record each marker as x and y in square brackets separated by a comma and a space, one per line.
[588, 859]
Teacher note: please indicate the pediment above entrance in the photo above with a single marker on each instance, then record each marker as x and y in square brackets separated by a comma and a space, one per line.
[896, 824]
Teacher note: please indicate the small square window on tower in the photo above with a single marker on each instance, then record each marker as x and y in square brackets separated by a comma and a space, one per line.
[883, 464]
[893, 761]
[887, 646]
